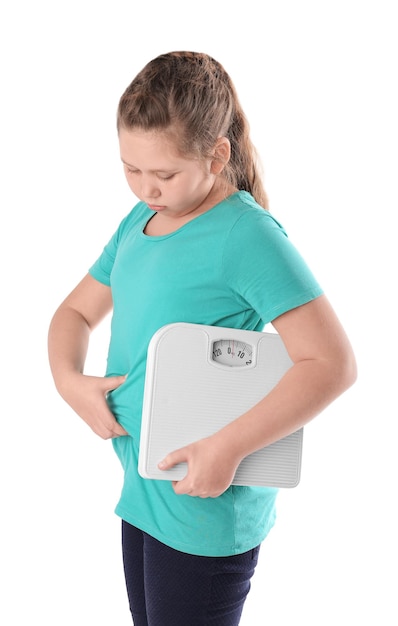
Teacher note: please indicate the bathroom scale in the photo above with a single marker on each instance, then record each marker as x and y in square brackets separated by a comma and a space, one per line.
[198, 379]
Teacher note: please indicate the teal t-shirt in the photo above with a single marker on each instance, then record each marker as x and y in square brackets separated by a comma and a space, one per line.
[232, 266]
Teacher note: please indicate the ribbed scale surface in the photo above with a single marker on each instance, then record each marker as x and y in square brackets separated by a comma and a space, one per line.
[188, 396]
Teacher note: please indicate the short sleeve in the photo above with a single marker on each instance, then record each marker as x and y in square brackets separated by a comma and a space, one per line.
[102, 268]
[264, 267]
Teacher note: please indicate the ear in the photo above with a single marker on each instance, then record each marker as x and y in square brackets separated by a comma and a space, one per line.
[222, 154]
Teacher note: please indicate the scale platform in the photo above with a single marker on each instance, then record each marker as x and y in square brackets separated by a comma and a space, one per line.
[198, 379]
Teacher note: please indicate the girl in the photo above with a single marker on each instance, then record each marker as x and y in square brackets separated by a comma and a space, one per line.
[200, 246]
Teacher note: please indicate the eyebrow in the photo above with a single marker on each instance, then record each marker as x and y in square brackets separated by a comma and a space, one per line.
[152, 171]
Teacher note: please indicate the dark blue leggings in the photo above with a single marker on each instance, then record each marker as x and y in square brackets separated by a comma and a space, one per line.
[170, 588]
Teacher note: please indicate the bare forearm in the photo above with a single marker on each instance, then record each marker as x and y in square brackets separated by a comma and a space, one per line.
[68, 340]
[323, 368]
[306, 389]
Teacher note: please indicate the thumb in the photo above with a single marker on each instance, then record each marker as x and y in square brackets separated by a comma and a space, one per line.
[172, 459]
[113, 382]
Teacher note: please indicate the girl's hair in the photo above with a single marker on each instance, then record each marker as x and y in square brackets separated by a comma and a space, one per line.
[191, 97]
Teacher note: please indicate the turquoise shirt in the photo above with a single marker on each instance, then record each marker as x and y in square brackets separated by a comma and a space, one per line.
[232, 266]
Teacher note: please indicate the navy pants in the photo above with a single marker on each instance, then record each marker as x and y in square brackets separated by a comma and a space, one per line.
[170, 588]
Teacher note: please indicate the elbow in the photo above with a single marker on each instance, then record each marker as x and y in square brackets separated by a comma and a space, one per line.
[347, 371]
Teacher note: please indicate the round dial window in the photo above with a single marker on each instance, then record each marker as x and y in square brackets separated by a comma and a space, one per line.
[233, 353]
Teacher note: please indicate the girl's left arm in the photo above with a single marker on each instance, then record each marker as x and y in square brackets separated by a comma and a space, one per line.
[323, 368]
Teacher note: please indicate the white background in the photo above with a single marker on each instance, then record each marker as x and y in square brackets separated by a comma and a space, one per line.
[318, 81]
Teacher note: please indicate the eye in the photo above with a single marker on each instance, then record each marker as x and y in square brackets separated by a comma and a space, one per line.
[129, 170]
[165, 177]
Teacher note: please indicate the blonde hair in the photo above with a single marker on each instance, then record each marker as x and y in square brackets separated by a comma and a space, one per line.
[191, 96]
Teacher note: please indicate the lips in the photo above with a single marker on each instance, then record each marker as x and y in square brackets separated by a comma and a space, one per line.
[155, 207]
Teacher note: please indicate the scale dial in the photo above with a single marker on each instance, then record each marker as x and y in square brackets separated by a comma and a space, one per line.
[232, 353]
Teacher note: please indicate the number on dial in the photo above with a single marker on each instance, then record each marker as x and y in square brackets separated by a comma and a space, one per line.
[233, 353]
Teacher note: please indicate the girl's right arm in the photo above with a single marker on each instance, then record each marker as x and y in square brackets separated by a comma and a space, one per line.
[68, 340]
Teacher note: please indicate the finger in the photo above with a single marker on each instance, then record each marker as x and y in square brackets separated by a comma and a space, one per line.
[172, 459]
[113, 382]
[115, 429]
[182, 487]
[119, 431]
[107, 426]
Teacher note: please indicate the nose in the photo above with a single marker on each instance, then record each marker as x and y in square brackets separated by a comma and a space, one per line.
[149, 188]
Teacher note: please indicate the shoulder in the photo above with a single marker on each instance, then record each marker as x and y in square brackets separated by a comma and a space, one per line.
[248, 217]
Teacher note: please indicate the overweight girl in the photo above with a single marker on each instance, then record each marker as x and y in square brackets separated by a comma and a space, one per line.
[200, 246]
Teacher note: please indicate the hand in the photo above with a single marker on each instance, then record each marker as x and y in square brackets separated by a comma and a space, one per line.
[87, 397]
[211, 468]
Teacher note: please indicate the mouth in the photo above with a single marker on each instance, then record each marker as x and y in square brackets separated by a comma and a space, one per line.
[155, 207]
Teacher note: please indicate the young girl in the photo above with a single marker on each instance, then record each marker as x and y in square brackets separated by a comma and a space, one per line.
[200, 246]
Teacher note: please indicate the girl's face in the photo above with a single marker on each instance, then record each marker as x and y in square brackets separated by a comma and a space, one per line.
[168, 183]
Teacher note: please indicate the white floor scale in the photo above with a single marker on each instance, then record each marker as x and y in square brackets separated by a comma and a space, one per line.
[198, 379]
